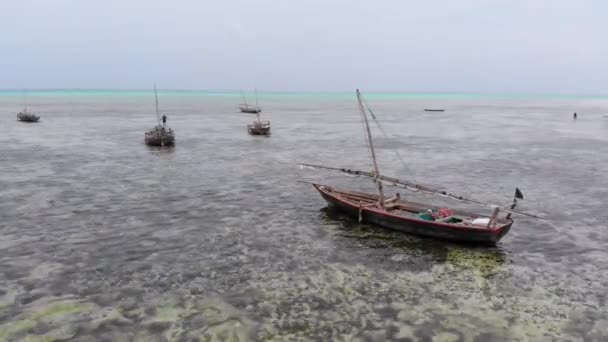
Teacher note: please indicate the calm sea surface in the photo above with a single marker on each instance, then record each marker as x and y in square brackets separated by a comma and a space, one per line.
[104, 238]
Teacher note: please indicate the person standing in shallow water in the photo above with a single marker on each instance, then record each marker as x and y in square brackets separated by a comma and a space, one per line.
[574, 115]
[164, 119]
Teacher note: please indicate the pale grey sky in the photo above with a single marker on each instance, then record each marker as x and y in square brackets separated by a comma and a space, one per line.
[558, 46]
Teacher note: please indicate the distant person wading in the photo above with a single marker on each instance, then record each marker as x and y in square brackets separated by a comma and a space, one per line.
[165, 119]
[574, 115]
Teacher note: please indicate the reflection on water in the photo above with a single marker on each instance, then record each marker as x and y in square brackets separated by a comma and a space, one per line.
[165, 149]
[104, 238]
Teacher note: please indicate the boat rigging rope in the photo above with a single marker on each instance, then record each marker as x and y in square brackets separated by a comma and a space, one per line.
[411, 174]
[404, 184]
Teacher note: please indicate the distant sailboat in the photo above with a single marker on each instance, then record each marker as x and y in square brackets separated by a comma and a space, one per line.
[247, 108]
[160, 135]
[25, 115]
[259, 127]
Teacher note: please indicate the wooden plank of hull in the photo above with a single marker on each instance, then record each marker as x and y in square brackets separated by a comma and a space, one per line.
[412, 225]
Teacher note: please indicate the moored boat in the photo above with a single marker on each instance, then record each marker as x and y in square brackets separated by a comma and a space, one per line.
[248, 108]
[434, 110]
[161, 135]
[412, 217]
[259, 127]
[25, 116]
[416, 218]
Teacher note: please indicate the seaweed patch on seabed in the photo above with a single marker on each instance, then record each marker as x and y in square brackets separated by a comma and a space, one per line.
[69, 319]
[454, 301]
[474, 295]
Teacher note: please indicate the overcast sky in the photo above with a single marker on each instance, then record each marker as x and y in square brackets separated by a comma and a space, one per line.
[557, 46]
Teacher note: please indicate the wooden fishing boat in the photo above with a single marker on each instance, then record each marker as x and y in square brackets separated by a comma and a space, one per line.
[160, 135]
[248, 108]
[25, 116]
[259, 127]
[412, 217]
[434, 110]
[416, 218]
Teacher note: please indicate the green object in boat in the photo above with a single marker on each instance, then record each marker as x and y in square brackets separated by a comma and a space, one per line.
[426, 217]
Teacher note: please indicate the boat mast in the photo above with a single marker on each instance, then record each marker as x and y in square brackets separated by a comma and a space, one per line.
[156, 105]
[371, 147]
[244, 98]
[162, 142]
[24, 101]
[256, 100]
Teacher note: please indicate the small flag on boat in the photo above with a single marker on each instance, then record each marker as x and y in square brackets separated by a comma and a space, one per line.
[518, 194]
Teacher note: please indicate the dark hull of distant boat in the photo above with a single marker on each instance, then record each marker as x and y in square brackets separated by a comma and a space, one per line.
[434, 110]
[251, 110]
[410, 225]
[27, 117]
[157, 138]
[259, 129]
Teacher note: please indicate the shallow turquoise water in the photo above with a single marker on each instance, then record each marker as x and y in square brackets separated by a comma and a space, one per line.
[270, 95]
[104, 238]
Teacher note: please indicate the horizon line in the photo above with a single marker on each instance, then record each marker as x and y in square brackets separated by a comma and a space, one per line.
[404, 92]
